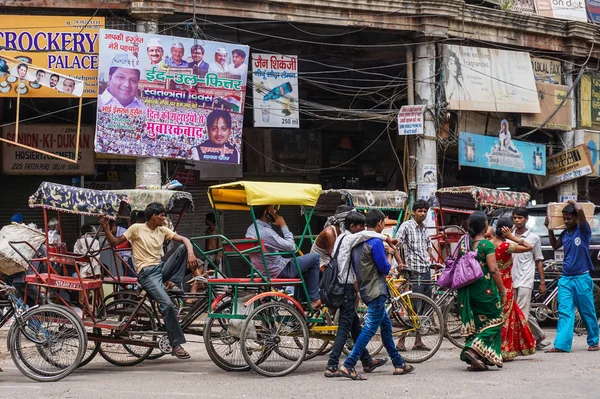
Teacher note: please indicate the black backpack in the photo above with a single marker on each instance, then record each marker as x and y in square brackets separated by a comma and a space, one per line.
[331, 291]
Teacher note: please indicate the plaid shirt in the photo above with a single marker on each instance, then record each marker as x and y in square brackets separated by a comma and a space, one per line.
[415, 242]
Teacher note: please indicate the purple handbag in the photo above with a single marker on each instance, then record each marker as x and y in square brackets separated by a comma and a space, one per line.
[460, 271]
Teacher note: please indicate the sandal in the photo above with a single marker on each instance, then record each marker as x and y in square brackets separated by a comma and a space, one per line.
[332, 372]
[375, 363]
[594, 348]
[180, 353]
[476, 363]
[540, 346]
[555, 350]
[401, 348]
[421, 347]
[352, 374]
[407, 368]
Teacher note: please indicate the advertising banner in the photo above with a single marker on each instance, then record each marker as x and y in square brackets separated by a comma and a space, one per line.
[275, 90]
[589, 102]
[592, 142]
[593, 9]
[565, 166]
[410, 119]
[547, 70]
[523, 6]
[553, 115]
[57, 139]
[25, 77]
[501, 153]
[573, 10]
[55, 44]
[170, 97]
[481, 79]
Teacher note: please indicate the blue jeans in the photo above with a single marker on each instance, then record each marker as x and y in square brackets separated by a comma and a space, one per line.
[377, 317]
[152, 279]
[575, 291]
[348, 323]
[309, 265]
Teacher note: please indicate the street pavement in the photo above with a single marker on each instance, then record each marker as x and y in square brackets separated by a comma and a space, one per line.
[573, 375]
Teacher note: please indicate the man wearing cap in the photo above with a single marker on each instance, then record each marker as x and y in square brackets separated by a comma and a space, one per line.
[220, 64]
[238, 67]
[200, 66]
[176, 59]
[155, 52]
[123, 79]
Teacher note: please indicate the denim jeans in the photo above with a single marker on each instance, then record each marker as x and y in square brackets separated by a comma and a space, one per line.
[348, 323]
[309, 265]
[377, 317]
[152, 279]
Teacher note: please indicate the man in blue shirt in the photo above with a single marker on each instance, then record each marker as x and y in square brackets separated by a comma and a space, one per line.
[575, 287]
[371, 266]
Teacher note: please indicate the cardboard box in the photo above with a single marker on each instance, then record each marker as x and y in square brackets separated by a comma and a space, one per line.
[556, 217]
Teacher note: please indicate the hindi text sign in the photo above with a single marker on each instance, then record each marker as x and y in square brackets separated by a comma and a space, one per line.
[410, 119]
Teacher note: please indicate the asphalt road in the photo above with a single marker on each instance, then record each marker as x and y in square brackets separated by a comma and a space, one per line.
[573, 375]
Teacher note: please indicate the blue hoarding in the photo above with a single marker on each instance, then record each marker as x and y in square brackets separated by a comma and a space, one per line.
[501, 153]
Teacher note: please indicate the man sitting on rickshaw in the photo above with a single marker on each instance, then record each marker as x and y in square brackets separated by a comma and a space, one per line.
[280, 267]
[325, 241]
[147, 240]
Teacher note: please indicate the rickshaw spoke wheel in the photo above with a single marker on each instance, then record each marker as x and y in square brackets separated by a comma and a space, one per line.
[274, 339]
[93, 347]
[316, 346]
[452, 323]
[141, 326]
[222, 340]
[49, 344]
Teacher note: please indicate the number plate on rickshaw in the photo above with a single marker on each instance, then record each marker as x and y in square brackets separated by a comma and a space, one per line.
[559, 256]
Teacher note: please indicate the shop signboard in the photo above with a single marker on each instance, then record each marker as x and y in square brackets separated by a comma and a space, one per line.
[573, 10]
[523, 6]
[275, 90]
[56, 139]
[482, 79]
[592, 142]
[555, 107]
[593, 9]
[501, 152]
[589, 102]
[565, 166]
[54, 44]
[410, 119]
[547, 70]
[170, 97]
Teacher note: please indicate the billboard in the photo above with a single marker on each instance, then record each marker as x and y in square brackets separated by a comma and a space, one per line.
[556, 108]
[170, 97]
[501, 153]
[573, 10]
[275, 90]
[482, 79]
[52, 43]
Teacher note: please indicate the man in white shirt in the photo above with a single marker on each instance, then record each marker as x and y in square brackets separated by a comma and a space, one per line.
[238, 66]
[523, 273]
[123, 80]
[220, 64]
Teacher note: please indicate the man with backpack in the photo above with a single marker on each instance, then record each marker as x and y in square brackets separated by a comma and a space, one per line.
[349, 323]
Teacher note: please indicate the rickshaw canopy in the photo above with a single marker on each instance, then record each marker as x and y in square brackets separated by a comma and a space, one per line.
[360, 199]
[472, 197]
[243, 194]
[174, 201]
[81, 201]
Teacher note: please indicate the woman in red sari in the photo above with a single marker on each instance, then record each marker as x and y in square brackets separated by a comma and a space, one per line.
[517, 339]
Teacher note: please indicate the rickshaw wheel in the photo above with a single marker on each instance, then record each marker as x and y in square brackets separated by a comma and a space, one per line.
[222, 344]
[93, 347]
[140, 324]
[268, 343]
[49, 344]
[452, 324]
[316, 346]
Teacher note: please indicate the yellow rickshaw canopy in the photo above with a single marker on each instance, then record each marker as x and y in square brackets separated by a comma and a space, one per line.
[241, 195]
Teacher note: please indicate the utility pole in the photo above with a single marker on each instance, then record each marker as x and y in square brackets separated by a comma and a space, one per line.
[568, 190]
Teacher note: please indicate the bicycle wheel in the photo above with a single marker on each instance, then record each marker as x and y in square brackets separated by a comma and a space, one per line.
[267, 340]
[418, 324]
[140, 325]
[579, 324]
[222, 340]
[453, 324]
[48, 343]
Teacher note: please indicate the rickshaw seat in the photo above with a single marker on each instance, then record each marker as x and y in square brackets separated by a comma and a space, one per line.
[33, 278]
[274, 281]
[121, 280]
[73, 282]
[243, 246]
[125, 245]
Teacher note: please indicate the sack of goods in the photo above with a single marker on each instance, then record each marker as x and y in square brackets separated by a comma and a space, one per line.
[10, 261]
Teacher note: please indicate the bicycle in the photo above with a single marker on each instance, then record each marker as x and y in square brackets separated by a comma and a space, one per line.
[46, 342]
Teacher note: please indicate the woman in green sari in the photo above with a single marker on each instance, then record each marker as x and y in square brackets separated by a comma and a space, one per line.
[481, 303]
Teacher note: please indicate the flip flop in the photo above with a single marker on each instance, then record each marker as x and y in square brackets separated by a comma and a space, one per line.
[475, 362]
[407, 368]
[375, 363]
[593, 348]
[542, 345]
[352, 374]
[180, 353]
[332, 373]
[401, 348]
[555, 350]
[421, 347]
